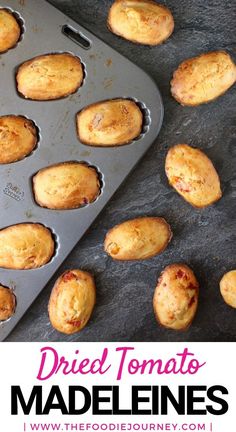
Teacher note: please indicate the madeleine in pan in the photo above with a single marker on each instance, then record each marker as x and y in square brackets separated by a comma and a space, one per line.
[175, 299]
[7, 303]
[65, 186]
[192, 175]
[72, 301]
[18, 138]
[50, 76]
[110, 123]
[228, 288]
[10, 30]
[25, 246]
[141, 21]
[138, 239]
[203, 78]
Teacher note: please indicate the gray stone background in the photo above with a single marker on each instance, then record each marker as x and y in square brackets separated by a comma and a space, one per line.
[204, 239]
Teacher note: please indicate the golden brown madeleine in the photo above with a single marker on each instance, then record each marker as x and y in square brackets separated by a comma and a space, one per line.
[10, 30]
[50, 76]
[137, 239]
[18, 138]
[72, 301]
[7, 303]
[228, 288]
[193, 175]
[175, 299]
[67, 185]
[109, 123]
[203, 78]
[25, 246]
[141, 21]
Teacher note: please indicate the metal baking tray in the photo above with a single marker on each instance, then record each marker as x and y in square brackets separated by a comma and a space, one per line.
[108, 75]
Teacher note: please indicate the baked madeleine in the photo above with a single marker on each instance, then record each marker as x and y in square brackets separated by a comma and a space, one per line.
[176, 297]
[67, 185]
[7, 303]
[10, 30]
[192, 175]
[49, 76]
[111, 123]
[203, 78]
[72, 301]
[228, 288]
[138, 239]
[18, 138]
[141, 21]
[25, 246]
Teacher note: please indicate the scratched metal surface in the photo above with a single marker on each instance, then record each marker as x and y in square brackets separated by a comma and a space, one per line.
[108, 75]
[206, 240]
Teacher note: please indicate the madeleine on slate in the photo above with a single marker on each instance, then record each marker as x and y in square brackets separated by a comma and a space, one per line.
[192, 175]
[141, 21]
[175, 299]
[228, 288]
[138, 239]
[203, 78]
[72, 301]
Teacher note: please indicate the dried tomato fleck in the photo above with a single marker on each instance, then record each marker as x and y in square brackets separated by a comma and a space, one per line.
[75, 323]
[191, 286]
[182, 186]
[191, 302]
[68, 276]
[180, 274]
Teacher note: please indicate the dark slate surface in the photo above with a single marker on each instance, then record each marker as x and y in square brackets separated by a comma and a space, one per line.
[206, 239]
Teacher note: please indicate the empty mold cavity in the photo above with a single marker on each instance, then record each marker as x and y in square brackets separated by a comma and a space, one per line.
[20, 22]
[86, 201]
[76, 36]
[37, 137]
[22, 96]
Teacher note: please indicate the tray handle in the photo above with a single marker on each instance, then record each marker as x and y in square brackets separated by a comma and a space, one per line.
[76, 36]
